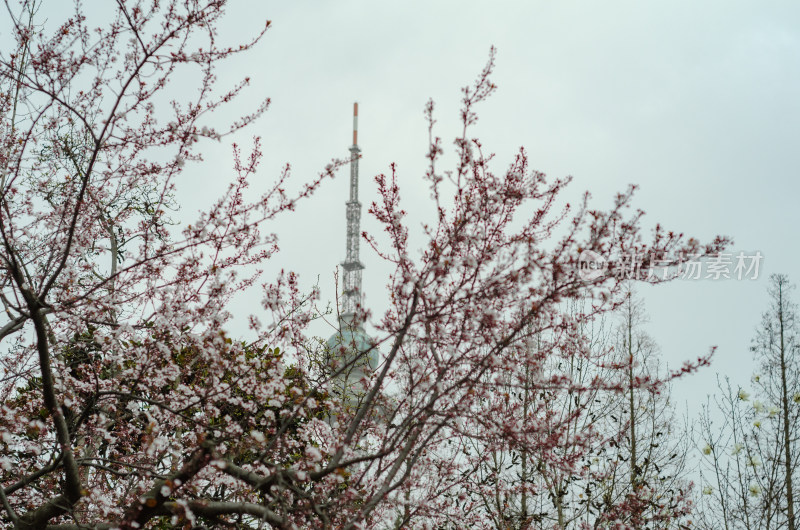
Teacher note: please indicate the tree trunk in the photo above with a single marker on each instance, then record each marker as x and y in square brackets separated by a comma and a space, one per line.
[785, 413]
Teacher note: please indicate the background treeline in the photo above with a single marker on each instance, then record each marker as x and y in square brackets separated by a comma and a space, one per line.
[732, 466]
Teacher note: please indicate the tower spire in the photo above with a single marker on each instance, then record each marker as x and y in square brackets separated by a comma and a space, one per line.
[351, 294]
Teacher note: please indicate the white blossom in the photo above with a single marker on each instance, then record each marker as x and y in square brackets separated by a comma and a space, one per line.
[314, 453]
[258, 436]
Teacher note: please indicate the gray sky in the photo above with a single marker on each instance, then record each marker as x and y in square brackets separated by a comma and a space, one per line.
[697, 102]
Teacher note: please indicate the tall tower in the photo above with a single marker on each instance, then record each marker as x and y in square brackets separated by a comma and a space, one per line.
[351, 352]
[351, 293]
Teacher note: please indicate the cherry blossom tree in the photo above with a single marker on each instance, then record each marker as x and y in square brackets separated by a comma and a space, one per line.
[630, 460]
[126, 402]
[519, 489]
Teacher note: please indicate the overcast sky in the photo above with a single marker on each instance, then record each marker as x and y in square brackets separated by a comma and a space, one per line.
[696, 102]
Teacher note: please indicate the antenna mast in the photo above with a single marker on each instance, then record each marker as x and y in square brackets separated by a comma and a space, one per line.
[351, 294]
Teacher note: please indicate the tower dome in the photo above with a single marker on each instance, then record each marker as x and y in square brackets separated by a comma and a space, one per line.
[354, 346]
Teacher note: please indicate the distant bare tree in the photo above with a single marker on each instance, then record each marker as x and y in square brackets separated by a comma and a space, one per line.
[646, 471]
[750, 460]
